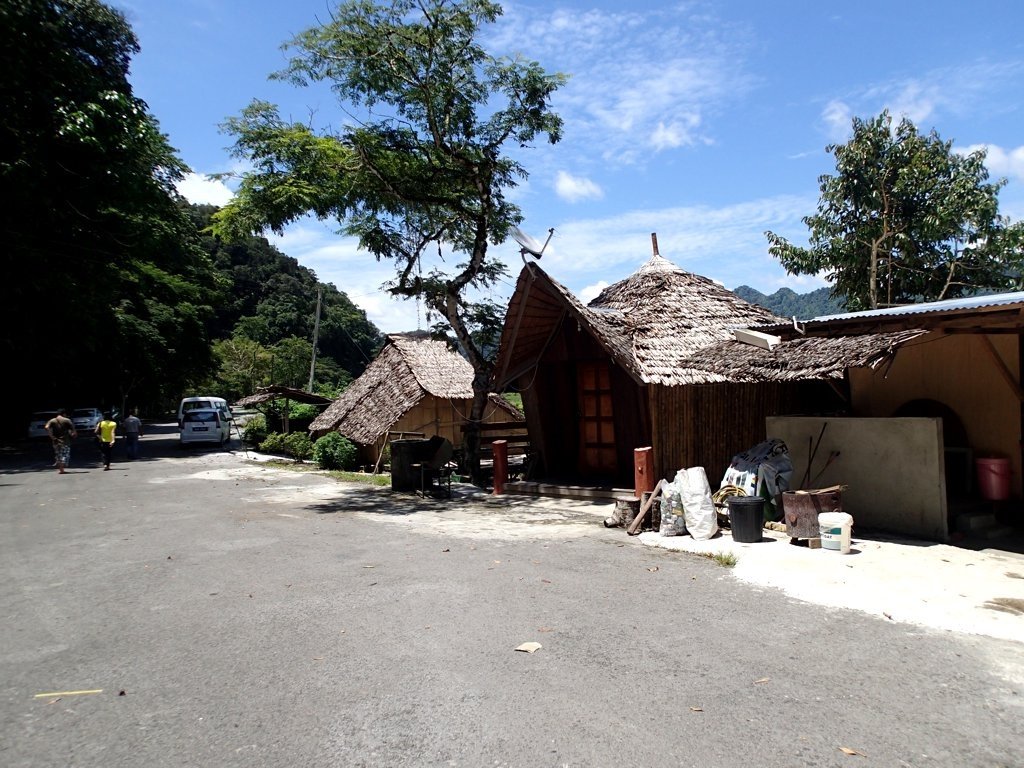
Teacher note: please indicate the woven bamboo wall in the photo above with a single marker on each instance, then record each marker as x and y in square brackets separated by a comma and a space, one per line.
[706, 425]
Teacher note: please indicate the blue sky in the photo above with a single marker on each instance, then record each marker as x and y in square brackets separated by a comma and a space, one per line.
[705, 122]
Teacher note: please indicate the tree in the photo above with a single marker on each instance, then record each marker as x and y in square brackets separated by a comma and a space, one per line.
[420, 163]
[905, 219]
[111, 300]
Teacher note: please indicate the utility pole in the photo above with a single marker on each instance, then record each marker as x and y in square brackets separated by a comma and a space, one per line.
[316, 335]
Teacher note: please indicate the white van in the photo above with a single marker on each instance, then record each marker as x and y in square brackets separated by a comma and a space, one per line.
[204, 402]
[204, 425]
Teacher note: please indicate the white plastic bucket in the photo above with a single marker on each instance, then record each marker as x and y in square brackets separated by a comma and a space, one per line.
[834, 529]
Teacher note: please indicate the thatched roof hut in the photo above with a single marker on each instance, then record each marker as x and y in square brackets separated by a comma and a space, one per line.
[415, 386]
[635, 366]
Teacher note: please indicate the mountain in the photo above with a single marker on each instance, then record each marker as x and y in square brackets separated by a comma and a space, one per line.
[787, 303]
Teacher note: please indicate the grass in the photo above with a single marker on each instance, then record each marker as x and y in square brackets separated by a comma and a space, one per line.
[349, 477]
[724, 559]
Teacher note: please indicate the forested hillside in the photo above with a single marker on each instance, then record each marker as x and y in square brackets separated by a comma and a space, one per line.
[788, 303]
[262, 328]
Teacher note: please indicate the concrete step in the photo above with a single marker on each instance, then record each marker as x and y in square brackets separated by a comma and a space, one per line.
[973, 522]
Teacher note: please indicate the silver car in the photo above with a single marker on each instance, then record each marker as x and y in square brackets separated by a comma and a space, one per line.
[37, 423]
[86, 419]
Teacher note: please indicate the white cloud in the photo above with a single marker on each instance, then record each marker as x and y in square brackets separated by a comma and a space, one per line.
[591, 292]
[957, 90]
[837, 117]
[202, 190]
[572, 189]
[629, 98]
[999, 161]
[338, 260]
[726, 244]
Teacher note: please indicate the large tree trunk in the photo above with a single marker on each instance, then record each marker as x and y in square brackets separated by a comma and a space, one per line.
[482, 369]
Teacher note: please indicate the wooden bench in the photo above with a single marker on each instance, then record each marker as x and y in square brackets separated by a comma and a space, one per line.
[517, 441]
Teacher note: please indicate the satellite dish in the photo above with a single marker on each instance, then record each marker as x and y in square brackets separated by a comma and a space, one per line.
[527, 245]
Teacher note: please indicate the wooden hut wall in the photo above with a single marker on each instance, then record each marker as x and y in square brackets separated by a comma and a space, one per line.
[632, 424]
[706, 425]
[550, 399]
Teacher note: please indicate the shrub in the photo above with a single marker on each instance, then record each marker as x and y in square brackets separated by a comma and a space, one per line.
[273, 443]
[298, 446]
[334, 451]
[255, 431]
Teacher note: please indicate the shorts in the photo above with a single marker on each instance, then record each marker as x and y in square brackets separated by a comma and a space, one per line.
[61, 451]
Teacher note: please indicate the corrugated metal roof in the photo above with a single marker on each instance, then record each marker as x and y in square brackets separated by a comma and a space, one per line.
[970, 302]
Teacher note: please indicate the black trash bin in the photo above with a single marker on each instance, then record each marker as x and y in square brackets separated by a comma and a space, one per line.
[404, 454]
[746, 517]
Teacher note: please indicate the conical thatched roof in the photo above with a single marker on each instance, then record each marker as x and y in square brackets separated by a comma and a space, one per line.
[664, 325]
[410, 367]
[672, 313]
[648, 323]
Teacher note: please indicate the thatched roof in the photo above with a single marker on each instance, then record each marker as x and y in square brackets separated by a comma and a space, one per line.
[648, 323]
[410, 367]
[798, 359]
[671, 314]
[663, 325]
[274, 392]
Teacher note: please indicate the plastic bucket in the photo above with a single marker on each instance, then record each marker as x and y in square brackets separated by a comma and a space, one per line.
[834, 529]
[993, 479]
[746, 517]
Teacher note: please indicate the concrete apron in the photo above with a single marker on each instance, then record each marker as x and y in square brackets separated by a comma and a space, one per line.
[918, 582]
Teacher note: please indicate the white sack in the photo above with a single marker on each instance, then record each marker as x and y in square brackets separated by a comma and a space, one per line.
[698, 508]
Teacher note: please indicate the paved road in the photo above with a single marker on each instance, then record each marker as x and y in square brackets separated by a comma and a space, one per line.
[257, 617]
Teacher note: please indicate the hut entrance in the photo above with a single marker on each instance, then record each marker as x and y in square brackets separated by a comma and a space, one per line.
[597, 422]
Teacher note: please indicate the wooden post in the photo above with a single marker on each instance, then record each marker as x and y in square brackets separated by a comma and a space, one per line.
[500, 448]
[643, 471]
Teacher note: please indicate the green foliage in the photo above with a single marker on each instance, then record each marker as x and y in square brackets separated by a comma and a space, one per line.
[906, 219]
[515, 399]
[105, 257]
[294, 444]
[787, 303]
[298, 446]
[422, 165]
[274, 442]
[335, 451]
[255, 431]
[268, 298]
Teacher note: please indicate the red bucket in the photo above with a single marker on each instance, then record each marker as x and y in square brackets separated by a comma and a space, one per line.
[993, 479]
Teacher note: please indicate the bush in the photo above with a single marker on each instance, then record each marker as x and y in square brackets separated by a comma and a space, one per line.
[273, 443]
[298, 446]
[255, 431]
[334, 451]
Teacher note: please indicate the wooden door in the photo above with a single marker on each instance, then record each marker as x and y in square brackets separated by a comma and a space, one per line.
[597, 425]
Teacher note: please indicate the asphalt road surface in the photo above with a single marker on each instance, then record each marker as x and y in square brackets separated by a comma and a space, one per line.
[196, 609]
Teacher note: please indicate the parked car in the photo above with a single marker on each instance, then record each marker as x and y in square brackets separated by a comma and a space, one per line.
[37, 423]
[86, 419]
[204, 402]
[204, 425]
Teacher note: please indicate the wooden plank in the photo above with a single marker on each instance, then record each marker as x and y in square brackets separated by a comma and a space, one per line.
[634, 527]
[492, 426]
[1001, 367]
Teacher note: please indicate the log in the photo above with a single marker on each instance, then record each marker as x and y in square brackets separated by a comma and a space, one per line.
[626, 509]
[634, 527]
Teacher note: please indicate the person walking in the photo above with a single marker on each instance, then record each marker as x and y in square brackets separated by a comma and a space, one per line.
[132, 427]
[61, 431]
[105, 431]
